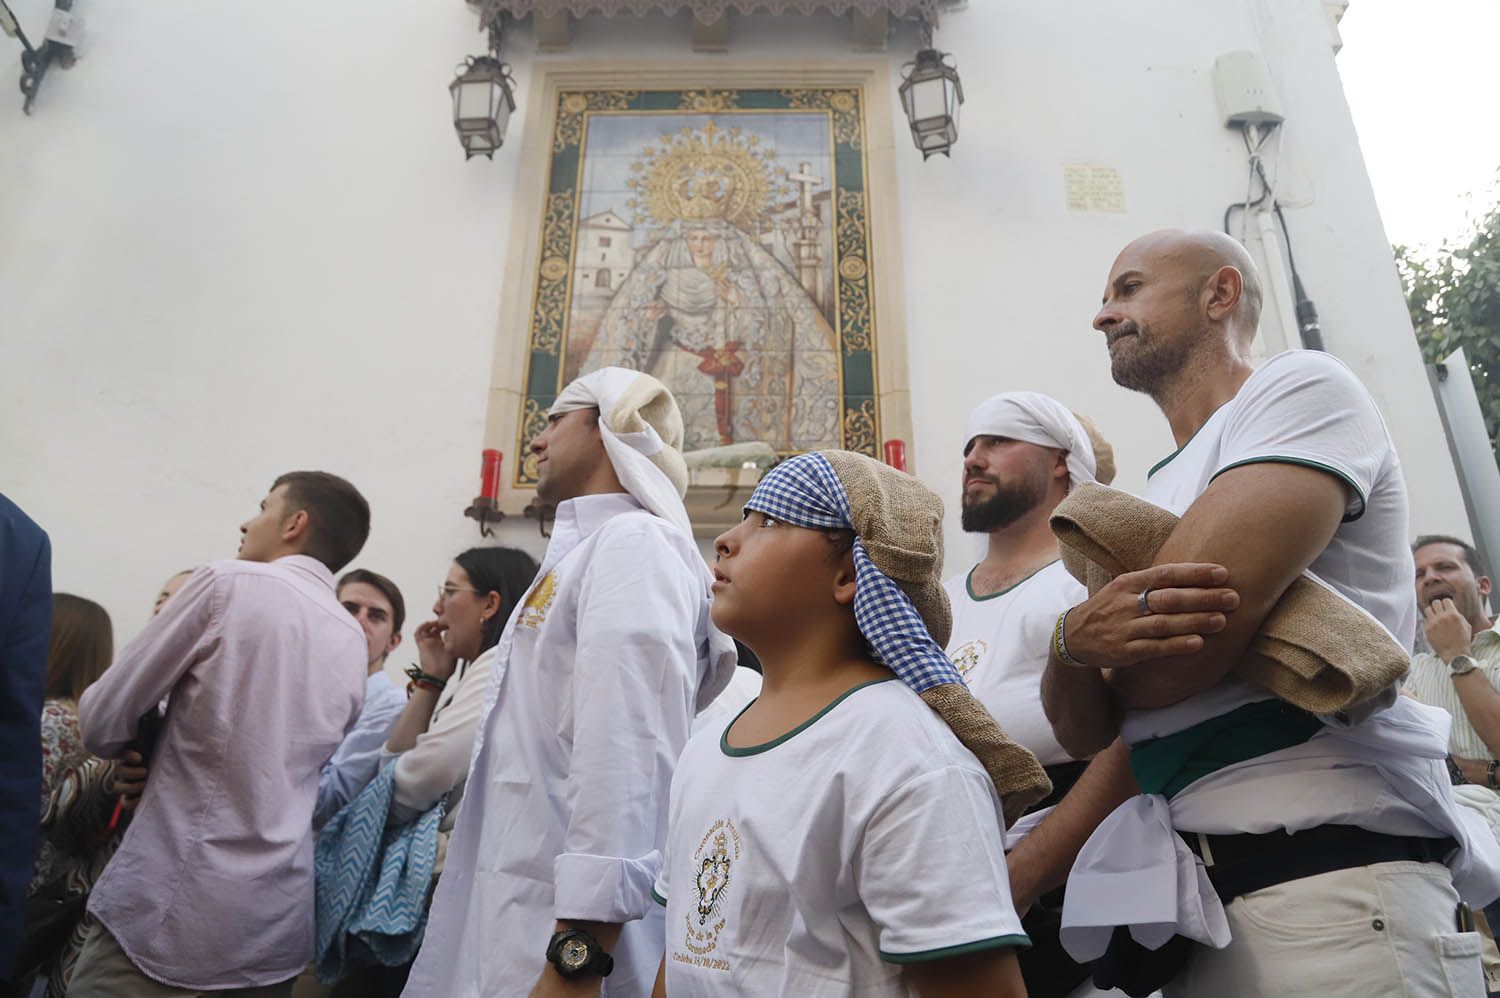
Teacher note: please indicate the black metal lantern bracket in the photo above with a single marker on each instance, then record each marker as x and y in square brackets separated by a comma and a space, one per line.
[58, 46]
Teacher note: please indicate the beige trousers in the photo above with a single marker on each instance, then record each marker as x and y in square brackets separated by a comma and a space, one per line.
[1382, 931]
[105, 971]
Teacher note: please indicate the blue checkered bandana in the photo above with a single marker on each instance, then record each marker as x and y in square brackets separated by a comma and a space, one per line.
[805, 492]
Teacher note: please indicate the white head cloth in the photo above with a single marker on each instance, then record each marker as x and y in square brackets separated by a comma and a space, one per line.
[642, 430]
[1034, 418]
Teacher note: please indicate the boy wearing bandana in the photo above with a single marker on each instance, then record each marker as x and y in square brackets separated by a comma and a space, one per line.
[841, 836]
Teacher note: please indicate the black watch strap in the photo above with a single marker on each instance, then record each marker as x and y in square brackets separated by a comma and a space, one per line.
[576, 953]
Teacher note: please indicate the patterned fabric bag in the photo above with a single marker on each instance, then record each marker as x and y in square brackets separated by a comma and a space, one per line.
[372, 882]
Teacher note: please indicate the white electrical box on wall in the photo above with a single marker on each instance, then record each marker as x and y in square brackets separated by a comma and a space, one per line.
[65, 28]
[1243, 89]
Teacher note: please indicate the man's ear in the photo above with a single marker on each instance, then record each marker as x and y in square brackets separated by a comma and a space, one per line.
[844, 580]
[1484, 584]
[393, 643]
[1224, 290]
[294, 527]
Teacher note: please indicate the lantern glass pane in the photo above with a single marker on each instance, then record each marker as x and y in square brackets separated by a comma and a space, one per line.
[929, 99]
[473, 99]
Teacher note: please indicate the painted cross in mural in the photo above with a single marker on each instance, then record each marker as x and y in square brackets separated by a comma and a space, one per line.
[717, 240]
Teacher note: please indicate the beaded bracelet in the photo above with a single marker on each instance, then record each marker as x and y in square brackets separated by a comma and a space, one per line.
[421, 680]
[1059, 645]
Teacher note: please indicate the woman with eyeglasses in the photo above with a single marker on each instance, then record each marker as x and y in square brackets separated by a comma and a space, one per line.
[434, 734]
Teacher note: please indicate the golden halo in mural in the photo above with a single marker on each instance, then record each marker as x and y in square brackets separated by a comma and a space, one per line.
[554, 268]
[842, 101]
[852, 268]
[575, 103]
[705, 174]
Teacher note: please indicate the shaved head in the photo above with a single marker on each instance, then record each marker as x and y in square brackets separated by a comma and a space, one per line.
[1178, 303]
[1204, 252]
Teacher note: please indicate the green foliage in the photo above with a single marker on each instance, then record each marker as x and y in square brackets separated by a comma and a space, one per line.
[1454, 299]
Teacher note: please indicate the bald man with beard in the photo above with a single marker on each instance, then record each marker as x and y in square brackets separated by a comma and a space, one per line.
[1312, 855]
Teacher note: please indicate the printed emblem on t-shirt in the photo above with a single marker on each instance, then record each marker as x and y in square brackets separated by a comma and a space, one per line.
[967, 655]
[715, 868]
[534, 611]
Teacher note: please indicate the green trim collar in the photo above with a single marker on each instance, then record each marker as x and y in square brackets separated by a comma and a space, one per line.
[969, 583]
[733, 752]
[1168, 459]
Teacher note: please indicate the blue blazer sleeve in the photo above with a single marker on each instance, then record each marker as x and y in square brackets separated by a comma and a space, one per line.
[25, 625]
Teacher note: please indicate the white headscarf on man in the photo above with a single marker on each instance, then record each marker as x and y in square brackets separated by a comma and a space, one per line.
[642, 430]
[1034, 418]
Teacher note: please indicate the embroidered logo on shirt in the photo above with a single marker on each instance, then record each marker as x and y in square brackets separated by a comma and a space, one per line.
[534, 611]
[715, 865]
[967, 655]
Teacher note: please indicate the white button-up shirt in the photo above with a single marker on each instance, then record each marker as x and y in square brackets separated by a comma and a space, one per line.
[212, 887]
[594, 687]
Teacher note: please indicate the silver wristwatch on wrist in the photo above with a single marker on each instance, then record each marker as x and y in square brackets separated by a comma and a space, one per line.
[1462, 664]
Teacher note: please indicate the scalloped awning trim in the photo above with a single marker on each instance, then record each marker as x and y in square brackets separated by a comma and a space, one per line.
[709, 10]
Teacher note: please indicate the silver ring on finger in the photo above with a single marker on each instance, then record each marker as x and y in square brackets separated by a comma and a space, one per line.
[1142, 602]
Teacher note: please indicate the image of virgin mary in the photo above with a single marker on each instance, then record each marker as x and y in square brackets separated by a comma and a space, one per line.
[727, 327]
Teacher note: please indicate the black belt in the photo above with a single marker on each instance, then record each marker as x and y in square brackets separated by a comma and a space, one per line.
[1239, 864]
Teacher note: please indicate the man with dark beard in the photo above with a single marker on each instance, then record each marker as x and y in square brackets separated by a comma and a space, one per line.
[1023, 453]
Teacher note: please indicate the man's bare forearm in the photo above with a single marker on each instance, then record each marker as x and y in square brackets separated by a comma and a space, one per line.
[1081, 707]
[1481, 703]
[1042, 860]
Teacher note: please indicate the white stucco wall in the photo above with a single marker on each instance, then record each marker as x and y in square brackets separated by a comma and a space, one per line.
[238, 239]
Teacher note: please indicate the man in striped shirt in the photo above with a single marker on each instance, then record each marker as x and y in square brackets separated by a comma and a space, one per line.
[1461, 674]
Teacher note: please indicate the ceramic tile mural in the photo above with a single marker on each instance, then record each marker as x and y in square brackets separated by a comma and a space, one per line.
[719, 240]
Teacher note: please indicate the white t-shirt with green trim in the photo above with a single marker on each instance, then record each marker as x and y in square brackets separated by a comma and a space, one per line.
[817, 863]
[1301, 407]
[1000, 644]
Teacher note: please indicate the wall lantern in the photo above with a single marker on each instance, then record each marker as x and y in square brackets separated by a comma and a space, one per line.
[484, 98]
[931, 94]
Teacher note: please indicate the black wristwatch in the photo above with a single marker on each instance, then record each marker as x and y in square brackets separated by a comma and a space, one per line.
[575, 953]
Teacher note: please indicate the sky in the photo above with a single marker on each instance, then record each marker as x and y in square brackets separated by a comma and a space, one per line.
[1420, 79]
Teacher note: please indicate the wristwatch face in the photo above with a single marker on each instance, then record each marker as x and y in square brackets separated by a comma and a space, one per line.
[1462, 664]
[574, 954]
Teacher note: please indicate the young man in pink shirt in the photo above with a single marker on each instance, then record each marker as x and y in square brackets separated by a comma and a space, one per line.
[212, 887]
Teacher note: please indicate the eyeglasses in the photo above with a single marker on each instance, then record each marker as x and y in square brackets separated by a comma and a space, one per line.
[445, 592]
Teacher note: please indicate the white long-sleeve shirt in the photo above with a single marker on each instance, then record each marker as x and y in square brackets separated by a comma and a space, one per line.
[595, 683]
[437, 765]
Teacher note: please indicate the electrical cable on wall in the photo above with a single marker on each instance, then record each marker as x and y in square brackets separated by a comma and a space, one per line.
[1309, 329]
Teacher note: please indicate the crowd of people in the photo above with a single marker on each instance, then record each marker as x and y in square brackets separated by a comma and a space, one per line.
[1177, 744]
